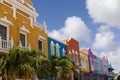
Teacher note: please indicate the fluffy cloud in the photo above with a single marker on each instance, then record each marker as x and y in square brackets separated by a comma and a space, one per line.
[105, 11]
[74, 27]
[105, 41]
[113, 57]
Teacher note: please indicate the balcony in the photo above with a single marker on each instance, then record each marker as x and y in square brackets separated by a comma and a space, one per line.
[5, 45]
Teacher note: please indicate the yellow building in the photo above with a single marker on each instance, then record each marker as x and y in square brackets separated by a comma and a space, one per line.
[85, 68]
[18, 26]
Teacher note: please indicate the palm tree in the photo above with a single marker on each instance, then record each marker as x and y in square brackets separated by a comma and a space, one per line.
[3, 59]
[20, 63]
[61, 67]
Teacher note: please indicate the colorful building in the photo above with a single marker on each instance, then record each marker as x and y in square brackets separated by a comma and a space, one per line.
[93, 64]
[99, 69]
[18, 26]
[56, 47]
[85, 68]
[104, 64]
[72, 49]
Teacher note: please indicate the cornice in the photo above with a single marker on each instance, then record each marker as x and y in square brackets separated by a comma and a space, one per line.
[5, 21]
[22, 7]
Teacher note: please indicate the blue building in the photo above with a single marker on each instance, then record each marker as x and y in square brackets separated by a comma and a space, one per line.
[56, 47]
[99, 69]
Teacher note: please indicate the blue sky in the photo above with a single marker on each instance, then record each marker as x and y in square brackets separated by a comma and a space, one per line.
[94, 24]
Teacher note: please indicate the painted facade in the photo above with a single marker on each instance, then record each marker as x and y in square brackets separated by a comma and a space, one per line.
[99, 69]
[92, 63]
[84, 62]
[18, 26]
[85, 68]
[56, 47]
[99, 66]
[72, 49]
[104, 64]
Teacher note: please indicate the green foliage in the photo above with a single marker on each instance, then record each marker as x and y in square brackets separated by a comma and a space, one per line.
[61, 67]
[20, 62]
[25, 63]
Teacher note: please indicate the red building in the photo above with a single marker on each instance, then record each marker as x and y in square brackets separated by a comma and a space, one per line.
[72, 49]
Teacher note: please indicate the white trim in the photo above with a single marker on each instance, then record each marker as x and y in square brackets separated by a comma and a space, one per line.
[57, 51]
[22, 7]
[57, 45]
[38, 25]
[52, 43]
[14, 12]
[21, 32]
[4, 21]
[31, 21]
[41, 38]
[42, 43]
[63, 51]
[69, 52]
[56, 39]
[23, 29]
[30, 6]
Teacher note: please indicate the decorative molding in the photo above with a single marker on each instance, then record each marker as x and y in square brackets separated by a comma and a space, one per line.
[31, 22]
[41, 38]
[30, 6]
[45, 26]
[22, 7]
[52, 43]
[23, 29]
[14, 12]
[4, 21]
[57, 45]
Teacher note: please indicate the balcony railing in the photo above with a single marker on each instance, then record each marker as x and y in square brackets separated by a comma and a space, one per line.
[5, 45]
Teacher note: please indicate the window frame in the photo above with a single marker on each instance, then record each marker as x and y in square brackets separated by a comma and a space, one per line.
[42, 44]
[25, 38]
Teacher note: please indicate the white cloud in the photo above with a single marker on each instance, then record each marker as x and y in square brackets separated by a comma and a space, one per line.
[105, 41]
[74, 27]
[105, 11]
[113, 57]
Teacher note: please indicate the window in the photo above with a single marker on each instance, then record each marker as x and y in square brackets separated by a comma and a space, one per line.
[3, 32]
[23, 39]
[57, 50]
[52, 48]
[76, 57]
[40, 45]
[63, 52]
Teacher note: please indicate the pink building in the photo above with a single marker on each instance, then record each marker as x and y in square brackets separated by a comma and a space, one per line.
[105, 64]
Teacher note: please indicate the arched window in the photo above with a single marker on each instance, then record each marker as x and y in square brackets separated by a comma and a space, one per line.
[63, 51]
[52, 48]
[76, 56]
[57, 50]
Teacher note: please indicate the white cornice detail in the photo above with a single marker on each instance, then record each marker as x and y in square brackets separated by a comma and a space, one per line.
[22, 7]
[23, 29]
[4, 21]
[41, 38]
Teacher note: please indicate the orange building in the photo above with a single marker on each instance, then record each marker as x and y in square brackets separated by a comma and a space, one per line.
[18, 26]
[72, 49]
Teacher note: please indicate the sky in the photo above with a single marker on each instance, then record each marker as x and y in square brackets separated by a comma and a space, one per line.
[94, 23]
